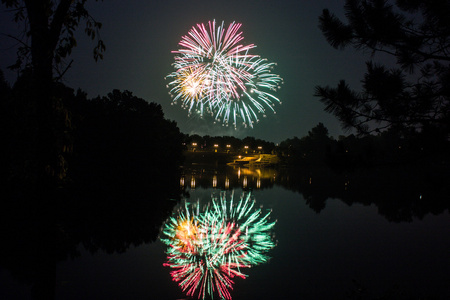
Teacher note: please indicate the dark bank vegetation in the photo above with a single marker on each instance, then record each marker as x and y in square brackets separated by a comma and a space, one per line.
[110, 142]
[388, 148]
[113, 189]
[57, 138]
[319, 149]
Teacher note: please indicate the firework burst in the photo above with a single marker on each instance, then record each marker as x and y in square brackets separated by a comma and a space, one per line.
[216, 74]
[207, 249]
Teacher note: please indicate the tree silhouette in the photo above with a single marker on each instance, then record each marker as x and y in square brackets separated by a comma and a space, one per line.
[308, 150]
[6, 133]
[49, 30]
[416, 94]
[122, 142]
[48, 37]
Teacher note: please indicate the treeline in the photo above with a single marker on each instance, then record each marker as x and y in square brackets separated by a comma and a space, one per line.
[318, 148]
[348, 152]
[227, 144]
[109, 142]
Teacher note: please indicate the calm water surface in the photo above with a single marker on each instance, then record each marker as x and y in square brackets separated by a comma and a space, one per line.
[341, 252]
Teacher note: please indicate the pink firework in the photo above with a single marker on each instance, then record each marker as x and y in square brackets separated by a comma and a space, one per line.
[216, 72]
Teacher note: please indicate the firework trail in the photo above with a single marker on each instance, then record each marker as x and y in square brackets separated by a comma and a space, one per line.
[216, 74]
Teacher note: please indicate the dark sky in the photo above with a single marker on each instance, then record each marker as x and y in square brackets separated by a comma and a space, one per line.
[140, 35]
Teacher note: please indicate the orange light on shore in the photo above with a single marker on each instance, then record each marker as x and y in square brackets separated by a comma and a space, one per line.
[214, 181]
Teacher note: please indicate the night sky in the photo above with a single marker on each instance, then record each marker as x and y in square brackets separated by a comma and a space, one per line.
[140, 35]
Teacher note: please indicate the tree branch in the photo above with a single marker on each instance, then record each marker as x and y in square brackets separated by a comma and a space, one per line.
[61, 74]
[17, 40]
[58, 21]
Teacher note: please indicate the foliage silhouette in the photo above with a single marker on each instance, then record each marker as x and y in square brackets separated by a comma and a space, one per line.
[49, 34]
[122, 140]
[412, 97]
[309, 150]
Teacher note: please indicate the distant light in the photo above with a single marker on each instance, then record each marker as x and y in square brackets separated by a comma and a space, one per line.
[194, 144]
[216, 145]
[214, 182]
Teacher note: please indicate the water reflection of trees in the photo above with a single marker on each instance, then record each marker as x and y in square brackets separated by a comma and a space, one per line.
[39, 233]
[400, 193]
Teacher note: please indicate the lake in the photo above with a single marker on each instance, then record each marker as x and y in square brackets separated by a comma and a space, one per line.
[328, 244]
